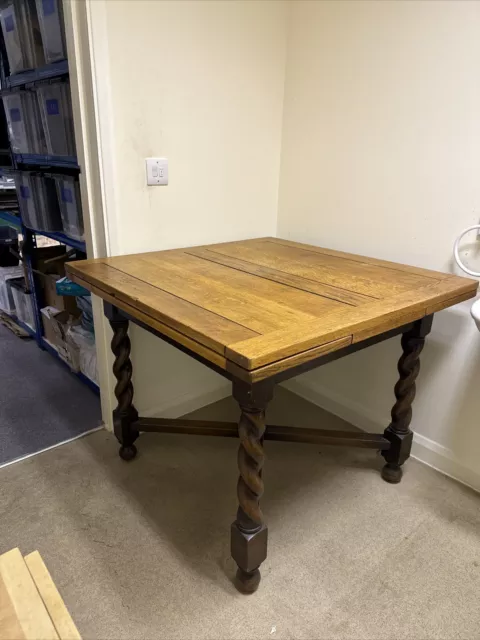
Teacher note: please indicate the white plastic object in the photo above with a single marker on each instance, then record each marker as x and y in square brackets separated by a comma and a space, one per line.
[475, 311]
[475, 274]
[85, 343]
[51, 25]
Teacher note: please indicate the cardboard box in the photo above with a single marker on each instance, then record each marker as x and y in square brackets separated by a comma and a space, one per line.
[55, 326]
[49, 332]
[52, 299]
[48, 273]
[68, 350]
[41, 255]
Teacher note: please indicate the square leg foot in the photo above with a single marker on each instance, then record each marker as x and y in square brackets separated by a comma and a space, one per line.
[249, 550]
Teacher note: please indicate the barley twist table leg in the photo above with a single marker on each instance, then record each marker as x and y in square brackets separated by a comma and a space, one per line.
[398, 432]
[125, 414]
[249, 532]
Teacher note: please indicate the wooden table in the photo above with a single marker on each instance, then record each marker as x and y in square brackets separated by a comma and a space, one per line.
[259, 312]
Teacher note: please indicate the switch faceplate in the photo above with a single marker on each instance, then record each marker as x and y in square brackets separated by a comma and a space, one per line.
[157, 171]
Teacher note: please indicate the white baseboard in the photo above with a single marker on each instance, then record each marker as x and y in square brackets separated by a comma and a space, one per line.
[187, 402]
[424, 450]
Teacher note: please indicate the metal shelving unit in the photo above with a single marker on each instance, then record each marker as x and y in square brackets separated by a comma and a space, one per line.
[37, 333]
[20, 162]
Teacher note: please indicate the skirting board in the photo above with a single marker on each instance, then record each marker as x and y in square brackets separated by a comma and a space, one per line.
[424, 450]
[188, 402]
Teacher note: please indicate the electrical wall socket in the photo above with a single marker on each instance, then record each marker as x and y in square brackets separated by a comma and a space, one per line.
[157, 171]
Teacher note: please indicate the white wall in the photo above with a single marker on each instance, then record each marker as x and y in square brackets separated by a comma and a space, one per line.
[381, 156]
[202, 84]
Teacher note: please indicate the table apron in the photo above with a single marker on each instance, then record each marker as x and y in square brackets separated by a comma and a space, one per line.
[281, 376]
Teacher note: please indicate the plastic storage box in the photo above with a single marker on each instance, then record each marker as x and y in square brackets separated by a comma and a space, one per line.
[50, 17]
[68, 190]
[23, 301]
[25, 128]
[37, 197]
[56, 111]
[8, 240]
[47, 202]
[31, 218]
[11, 29]
[21, 31]
[7, 303]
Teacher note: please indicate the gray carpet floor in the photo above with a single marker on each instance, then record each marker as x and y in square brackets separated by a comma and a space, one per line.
[141, 549]
[41, 402]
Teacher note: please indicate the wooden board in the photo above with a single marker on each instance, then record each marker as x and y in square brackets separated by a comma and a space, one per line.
[30, 611]
[265, 304]
[30, 606]
[52, 599]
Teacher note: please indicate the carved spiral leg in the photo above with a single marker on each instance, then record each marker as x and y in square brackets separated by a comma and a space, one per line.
[125, 414]
[398, 432]
[249, 532]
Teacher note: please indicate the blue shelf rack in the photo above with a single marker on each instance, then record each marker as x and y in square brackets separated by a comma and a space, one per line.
[11, 218]
[54, 70]
[62, 238]
[15, 221]
[65, 162]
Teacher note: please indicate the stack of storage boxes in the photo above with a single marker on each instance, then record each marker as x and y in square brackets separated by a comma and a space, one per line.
[40, 119]
[50, 202]
[33, 33]
[67, 315]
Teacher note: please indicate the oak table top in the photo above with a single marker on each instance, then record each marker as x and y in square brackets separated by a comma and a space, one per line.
[257, 307]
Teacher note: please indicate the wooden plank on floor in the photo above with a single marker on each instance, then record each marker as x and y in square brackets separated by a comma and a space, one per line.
[52, 599]
[10, 628]
[31, 613]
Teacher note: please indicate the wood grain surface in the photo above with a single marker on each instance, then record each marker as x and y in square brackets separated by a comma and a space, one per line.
[267, 302]
[30, 612]
[31, 607]
[51, 597]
